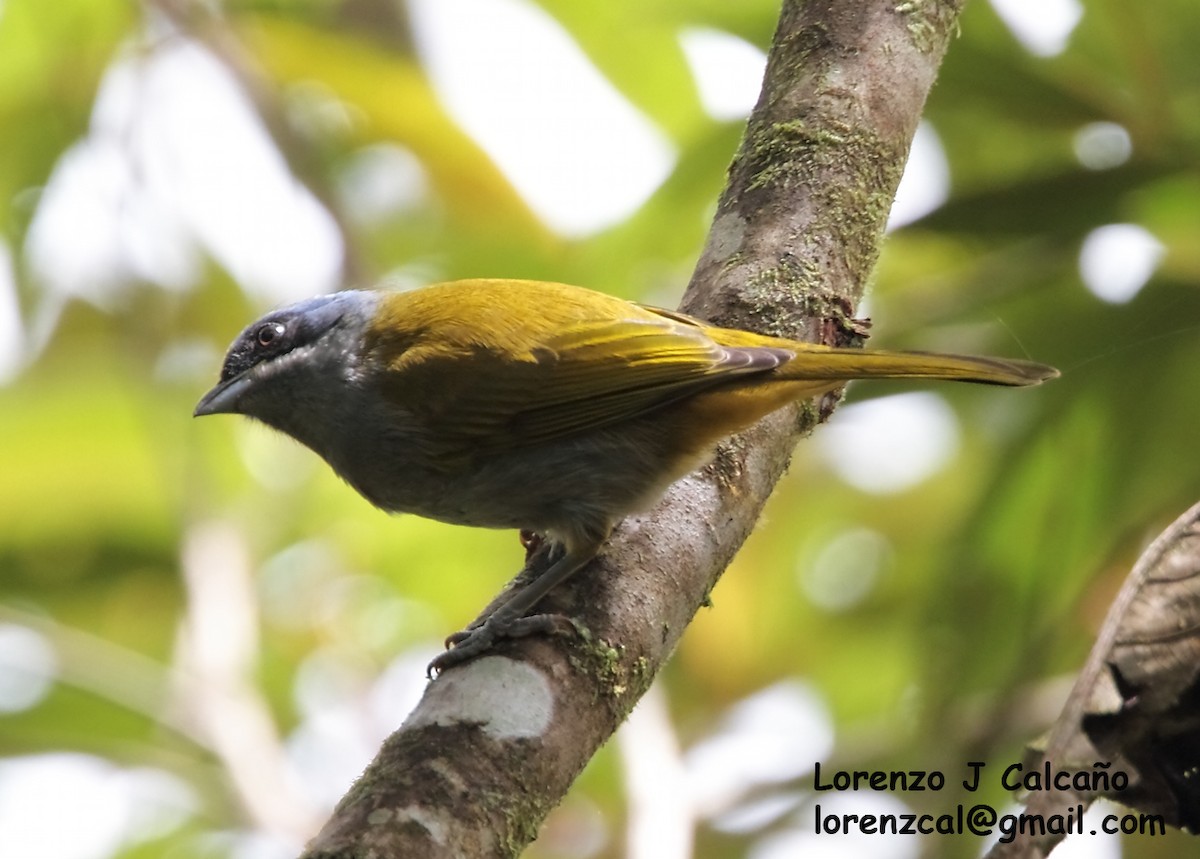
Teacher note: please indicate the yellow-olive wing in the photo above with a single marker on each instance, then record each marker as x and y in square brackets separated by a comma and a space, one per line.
[480, 389]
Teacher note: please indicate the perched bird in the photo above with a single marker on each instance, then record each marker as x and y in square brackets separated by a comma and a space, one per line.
[529, 405]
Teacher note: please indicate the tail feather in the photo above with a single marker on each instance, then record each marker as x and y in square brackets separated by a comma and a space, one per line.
[829, 364]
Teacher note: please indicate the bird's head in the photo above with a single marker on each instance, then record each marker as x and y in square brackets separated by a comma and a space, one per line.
[283, 365]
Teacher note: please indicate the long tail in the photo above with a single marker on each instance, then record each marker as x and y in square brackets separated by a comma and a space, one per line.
[818, 363]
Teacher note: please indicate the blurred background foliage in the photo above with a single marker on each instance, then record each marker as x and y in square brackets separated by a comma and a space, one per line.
[204, 636]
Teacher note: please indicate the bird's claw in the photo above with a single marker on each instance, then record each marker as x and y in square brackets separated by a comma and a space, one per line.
[468, 643]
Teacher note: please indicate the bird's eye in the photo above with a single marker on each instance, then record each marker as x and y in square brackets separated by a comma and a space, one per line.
[269, 333]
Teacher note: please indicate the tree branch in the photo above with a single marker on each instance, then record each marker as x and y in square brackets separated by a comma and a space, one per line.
[1133, 709]
[496, 743]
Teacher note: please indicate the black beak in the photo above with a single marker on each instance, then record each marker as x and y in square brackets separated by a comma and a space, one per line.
[223, 398]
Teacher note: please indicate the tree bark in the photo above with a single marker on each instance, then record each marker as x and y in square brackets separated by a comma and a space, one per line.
[496, 743]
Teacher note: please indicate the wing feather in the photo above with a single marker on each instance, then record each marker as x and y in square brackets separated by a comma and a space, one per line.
[585, 374]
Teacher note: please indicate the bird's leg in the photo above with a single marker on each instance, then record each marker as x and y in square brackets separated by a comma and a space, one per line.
[539, 554]
[505, 616]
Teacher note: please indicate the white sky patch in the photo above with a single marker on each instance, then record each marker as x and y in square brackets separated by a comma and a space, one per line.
[12, 332]
[803, 840]
[399, 689]
[75, 243]
[661, 822]
[1102, 145]
[892, 443]
[1043, 27]
[758, 813]
[233, 187]
[1085, 845]
[28, 668]
[728, 71]
[925, 184]
[1092, 843]
[73, 806]
[578, 152]
[176, 160]
[245, 844]
[846, 568]
[380, 181]
[773, 736]
[1117, 260]
[331, 746]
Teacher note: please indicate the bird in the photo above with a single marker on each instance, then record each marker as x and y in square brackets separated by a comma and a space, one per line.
[542, 407]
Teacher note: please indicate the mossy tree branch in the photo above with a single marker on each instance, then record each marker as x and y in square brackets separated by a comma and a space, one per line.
[495, 744]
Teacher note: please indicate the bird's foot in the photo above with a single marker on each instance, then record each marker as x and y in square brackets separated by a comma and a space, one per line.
[479, 637]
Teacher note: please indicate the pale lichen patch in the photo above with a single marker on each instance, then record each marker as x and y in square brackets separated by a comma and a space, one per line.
[509, 700]
[423, 817]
